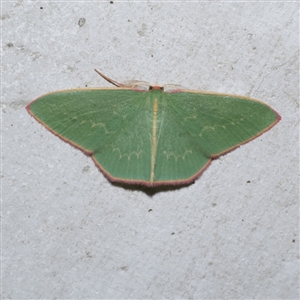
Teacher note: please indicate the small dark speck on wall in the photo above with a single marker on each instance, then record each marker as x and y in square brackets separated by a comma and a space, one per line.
[81, 22]
[10, 45]
[111, 2]
[41, 7]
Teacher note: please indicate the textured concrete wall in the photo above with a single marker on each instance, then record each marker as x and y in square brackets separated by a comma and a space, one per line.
[69, 233]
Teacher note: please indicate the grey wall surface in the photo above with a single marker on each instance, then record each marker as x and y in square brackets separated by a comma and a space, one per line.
[69, 233]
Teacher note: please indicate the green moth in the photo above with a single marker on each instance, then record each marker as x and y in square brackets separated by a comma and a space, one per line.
[150, 136]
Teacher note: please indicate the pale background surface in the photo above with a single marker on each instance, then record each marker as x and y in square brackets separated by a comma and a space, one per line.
[69, 233]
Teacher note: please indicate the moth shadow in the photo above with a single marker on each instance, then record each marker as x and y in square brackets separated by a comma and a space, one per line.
[150, 191]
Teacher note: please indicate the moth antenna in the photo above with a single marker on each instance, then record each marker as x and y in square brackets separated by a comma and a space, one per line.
[110, 80]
